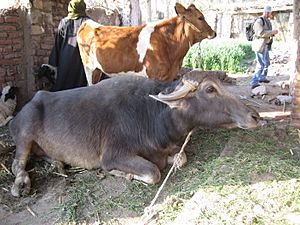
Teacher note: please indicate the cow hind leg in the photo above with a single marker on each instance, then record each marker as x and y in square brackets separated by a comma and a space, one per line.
[134, 167]
[22, 179]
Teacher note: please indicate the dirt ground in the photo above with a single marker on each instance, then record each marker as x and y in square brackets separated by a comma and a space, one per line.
[49, 189]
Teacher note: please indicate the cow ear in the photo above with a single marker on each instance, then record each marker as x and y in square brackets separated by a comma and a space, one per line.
[191, 6]
[180, 10]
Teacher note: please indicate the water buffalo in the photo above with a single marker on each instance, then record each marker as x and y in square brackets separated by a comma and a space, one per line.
[126, 125]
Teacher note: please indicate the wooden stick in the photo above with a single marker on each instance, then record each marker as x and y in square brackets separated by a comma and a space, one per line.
[60, 174]
[5, 168]
[30, 211]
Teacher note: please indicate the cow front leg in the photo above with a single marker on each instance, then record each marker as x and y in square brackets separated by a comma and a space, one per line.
[134, 167]
[89, 75]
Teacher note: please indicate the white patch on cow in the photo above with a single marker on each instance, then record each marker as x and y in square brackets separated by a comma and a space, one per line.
[144, 41]
[142, 73]
[93, 23]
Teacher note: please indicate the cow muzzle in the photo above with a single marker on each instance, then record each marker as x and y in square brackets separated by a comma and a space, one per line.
[213, 35]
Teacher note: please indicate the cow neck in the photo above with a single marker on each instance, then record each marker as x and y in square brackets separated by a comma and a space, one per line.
[174, 31]
[188, 37]
[185, 40]
[191, 24]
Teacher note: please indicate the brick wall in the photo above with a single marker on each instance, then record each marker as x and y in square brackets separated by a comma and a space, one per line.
[27, 36]
[26, 39]
[296, 43]
[11, 47]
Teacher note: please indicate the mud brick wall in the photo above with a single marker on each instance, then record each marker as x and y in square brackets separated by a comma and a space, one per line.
[45, 17]
[11, 47]
[26, 39]
[296, 43]
[27, 34]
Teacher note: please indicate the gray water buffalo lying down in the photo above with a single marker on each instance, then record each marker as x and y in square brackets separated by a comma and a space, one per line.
[125, 125]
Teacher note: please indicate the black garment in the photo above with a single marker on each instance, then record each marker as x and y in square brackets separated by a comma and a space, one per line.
[66, 57]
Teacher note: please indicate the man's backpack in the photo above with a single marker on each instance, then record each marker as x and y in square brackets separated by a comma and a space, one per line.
[250, 31]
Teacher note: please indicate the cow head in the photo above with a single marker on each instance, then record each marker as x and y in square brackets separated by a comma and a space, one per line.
[207, 103]
[195, 22]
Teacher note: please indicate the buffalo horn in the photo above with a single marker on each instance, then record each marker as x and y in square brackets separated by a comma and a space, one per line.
[188, 85]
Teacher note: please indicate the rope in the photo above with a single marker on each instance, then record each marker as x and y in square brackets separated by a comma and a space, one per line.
[148, 212]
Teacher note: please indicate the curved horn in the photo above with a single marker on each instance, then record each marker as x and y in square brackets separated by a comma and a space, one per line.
[188, 85]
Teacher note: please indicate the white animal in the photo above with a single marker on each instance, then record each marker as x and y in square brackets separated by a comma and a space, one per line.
[8, 103]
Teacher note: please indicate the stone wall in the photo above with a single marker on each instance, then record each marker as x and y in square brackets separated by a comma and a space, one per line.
[296, 78]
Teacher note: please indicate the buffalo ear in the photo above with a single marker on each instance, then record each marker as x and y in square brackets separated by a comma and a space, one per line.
[179, 9]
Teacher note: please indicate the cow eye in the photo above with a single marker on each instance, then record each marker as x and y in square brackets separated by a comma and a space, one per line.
[210, 89]
[201, 18]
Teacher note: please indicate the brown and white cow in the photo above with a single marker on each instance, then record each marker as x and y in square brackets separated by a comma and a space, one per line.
[153, 50]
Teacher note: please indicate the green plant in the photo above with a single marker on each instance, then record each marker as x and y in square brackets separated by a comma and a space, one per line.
[226, 55]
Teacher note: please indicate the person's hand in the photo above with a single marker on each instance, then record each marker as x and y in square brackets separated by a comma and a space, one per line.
[274, 32]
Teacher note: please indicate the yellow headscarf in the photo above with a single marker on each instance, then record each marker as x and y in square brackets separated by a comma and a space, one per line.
[76, 9]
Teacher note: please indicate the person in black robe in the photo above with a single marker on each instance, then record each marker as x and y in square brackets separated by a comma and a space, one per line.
[65, 53]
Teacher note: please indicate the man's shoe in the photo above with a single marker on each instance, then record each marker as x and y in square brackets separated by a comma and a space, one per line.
[264, 81]
[254, 86]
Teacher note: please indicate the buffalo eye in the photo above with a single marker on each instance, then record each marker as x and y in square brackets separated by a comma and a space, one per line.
[201, 18]
[210, 89]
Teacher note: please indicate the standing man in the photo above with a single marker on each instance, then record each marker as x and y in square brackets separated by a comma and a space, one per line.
[65, 54]
[261, 45]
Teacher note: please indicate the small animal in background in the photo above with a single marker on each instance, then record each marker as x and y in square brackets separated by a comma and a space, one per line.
[45, 77]
[8, 103]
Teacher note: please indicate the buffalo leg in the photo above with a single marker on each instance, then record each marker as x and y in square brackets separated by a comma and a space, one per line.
[18, 169]
[134, 167]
